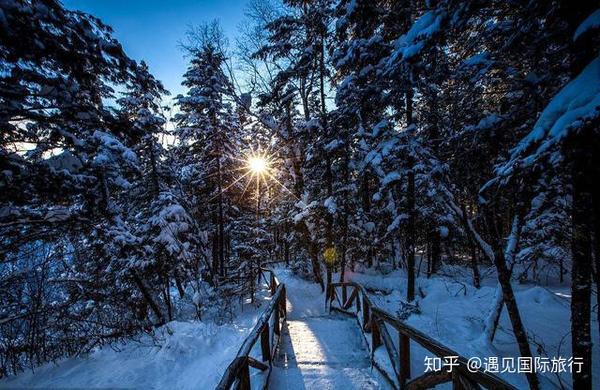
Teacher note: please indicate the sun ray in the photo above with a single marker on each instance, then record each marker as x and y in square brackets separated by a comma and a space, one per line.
[276, 151]
[265, 183]
[222, 172]
[247, 185]
[236, 181]
[241, 159]
[283, 186]
[229, 186]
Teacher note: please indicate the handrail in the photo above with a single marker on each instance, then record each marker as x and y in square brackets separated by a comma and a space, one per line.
[374, 321]
[238, 371]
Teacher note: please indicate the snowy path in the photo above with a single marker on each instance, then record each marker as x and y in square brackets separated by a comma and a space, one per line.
[319, 350]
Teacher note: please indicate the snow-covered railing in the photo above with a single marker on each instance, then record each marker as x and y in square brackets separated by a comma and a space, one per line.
[374, 321]
[268, 328]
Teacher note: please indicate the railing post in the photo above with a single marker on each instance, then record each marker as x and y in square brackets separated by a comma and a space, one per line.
[244, 377]
[404, 346]
[375, 336]
[366, 315]
[264, 343]
[456, 382]
[272, 283]
[238, 372]
[283, 302]
[333, 296]
[276, 328]
[344, 294]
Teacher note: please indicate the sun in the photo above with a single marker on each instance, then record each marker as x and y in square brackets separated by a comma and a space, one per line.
[259, 169]
[257, 164]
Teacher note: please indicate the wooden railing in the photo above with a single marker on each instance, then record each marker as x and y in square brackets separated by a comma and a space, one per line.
[374, 321]
[268, 329]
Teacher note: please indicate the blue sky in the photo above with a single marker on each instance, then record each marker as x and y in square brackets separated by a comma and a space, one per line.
[151, 29]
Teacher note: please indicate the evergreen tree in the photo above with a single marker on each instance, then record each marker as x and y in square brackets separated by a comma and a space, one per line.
[207, 129]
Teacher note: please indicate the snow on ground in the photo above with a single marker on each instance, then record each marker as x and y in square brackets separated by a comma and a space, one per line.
[453, 312]
[322, 350]
[304, 298]
[185, 355]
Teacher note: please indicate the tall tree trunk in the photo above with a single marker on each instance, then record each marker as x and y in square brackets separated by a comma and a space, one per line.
[410, 241]
[434, 133]
[474, 262]
[580, 151]
[411, 234]
[596, 201]
[322, 71]
[491, 323]
[154, 170]
[328, 282]
[148, 298]
[514, 314]
[304, 98]
[366, 205]
[215, 252]
[221, 235]
[435, 251]
[324, 109]
[316, 266]
[296, 161]
[167, 298]
[512, 308]
[493, 318]
[581, 268]
[475, 267]
[496, 256]
[345, 213]
[179, 285]
[409, 106]
[286, 243]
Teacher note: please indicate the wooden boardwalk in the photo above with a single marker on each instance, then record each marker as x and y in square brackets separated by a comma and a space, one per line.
[305, 346]
[319, 350]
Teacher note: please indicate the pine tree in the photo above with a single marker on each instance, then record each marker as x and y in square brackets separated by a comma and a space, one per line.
[207, 129]
[62, 195]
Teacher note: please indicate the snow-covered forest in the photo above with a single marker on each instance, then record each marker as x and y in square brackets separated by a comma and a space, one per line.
[442, 152]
